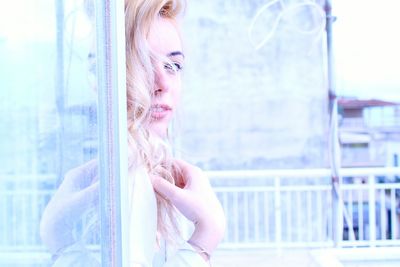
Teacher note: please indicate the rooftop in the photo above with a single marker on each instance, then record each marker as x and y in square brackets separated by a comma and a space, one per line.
[353, 103]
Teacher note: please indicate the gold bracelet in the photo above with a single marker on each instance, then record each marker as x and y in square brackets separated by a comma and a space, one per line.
[200, 250]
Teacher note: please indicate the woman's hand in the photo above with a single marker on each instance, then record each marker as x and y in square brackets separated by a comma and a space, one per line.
[195, 199]
[78, 192]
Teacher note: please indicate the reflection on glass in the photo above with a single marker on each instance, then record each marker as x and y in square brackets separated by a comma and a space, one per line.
[48, 115]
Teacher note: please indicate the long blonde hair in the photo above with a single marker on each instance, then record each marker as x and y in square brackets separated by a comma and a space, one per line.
[146, 148]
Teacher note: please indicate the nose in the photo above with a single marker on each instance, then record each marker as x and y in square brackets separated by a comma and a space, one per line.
[161, 80]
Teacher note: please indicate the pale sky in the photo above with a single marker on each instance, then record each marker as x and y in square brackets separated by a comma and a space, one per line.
[367, 48]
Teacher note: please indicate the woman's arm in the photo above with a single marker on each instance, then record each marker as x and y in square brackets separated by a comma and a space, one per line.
[78, 193]
[197, 201]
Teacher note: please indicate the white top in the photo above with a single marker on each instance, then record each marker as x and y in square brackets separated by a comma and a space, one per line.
[143, 229]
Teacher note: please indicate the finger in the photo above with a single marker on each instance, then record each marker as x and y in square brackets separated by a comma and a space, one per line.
[191, 175]
[185, 167]
[185, 201]
[166, 189]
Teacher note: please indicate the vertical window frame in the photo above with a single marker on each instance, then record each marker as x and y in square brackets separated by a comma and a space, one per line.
[112, 127]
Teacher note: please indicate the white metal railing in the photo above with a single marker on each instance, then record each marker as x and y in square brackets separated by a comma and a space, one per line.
[365, 122]
[295, 208]
[373, 207]
[353, 123]
[275, 208]
[264, 208]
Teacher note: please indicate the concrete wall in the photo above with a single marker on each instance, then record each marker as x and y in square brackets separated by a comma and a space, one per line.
[248, 108]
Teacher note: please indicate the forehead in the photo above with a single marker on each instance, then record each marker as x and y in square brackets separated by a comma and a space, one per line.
[164, 37]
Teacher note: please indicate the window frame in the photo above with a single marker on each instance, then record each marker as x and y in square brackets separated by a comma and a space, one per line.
[112, 125]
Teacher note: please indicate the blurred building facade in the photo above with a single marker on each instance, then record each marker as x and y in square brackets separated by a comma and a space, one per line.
[248, 108]
[369, 132]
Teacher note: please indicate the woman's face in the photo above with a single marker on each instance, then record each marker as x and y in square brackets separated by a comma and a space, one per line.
[164, 40]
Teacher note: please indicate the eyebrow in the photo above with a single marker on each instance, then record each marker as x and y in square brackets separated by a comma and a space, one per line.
[175, 53]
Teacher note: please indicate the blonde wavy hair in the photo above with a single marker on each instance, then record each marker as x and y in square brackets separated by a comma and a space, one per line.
[146, 148]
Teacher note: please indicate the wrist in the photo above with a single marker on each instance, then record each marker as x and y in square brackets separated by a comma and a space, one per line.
[206, 237]
[200, 250]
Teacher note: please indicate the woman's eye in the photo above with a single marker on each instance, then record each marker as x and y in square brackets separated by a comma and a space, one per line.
[174, 66]
[178, 66]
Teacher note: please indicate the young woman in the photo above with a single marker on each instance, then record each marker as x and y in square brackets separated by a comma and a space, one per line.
[162, 187]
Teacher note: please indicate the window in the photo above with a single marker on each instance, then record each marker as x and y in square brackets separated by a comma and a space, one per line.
[52, 124]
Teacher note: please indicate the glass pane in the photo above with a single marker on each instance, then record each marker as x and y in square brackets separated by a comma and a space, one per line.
[48, 138]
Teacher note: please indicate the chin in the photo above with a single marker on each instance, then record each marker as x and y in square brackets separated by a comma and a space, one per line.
[159, 130]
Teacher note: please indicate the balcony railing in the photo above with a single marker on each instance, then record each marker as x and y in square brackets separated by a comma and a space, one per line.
[385, 122]
[299, 208]
[264, 209]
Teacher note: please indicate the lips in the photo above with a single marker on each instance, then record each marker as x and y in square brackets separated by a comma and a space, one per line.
[160, 111]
